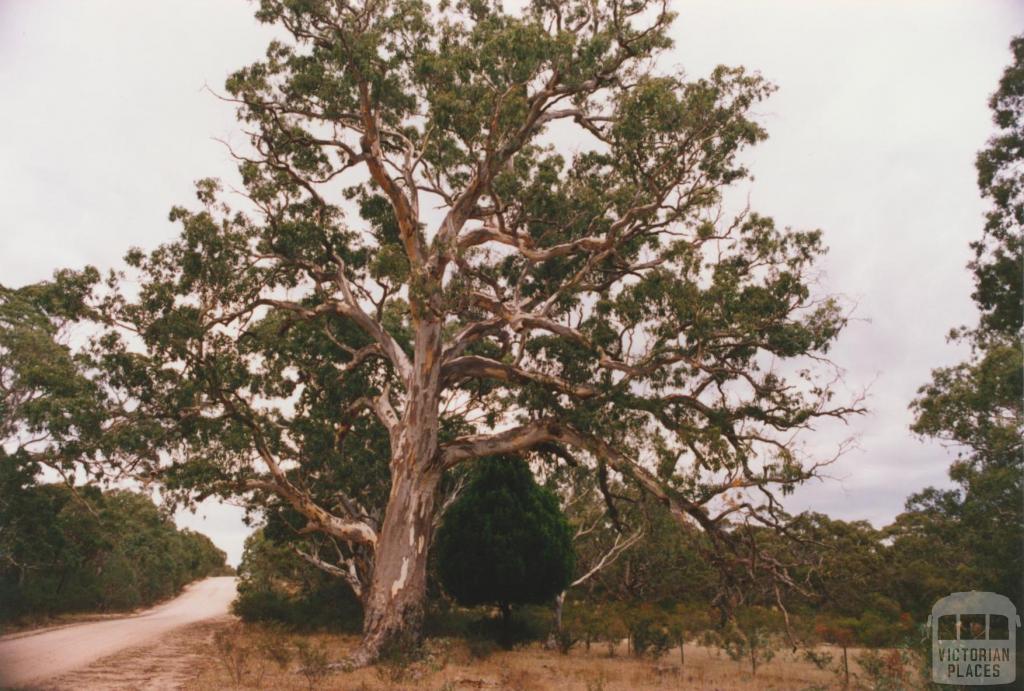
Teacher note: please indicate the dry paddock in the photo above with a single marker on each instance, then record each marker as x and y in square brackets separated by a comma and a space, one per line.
[451, 667]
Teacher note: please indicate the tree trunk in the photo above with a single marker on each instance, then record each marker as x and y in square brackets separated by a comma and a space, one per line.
[393, 612]
[506, 624]
[556, 632]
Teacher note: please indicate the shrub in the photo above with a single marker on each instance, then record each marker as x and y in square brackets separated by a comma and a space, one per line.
[232, 652]
[272, 645]
[889, 670]
[586, 619]
[254, 605]
[612, 629]
[683, 624]
[565, 639]
[529, 625]
[819, 659]
[312, 661]
[753, 635]
[650, 636]
[505, 540]
[324, 604]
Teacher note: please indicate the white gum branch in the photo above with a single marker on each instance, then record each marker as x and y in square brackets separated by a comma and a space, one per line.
[350, 574]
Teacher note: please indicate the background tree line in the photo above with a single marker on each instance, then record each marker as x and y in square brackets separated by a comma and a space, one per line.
[83, 550]
[872, 587]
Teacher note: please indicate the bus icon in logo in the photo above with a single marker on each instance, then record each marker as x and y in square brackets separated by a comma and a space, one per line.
[974, 639]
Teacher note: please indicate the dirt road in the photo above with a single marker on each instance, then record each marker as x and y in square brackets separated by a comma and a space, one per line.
[30, 658]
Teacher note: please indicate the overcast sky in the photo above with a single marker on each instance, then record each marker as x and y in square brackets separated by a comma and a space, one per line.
[882, 105]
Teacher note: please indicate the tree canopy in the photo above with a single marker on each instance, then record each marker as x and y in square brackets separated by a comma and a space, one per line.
[52, 414]
[69, 546]
[999, 254]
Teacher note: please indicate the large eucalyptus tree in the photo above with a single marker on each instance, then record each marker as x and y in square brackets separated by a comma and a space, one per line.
[466, 232]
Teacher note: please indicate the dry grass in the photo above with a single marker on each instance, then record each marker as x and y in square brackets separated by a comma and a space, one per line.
[450, 666]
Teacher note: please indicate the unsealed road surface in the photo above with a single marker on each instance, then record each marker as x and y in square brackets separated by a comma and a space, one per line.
[30, 658]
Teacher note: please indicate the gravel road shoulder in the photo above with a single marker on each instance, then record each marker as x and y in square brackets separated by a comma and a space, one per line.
[171, 662]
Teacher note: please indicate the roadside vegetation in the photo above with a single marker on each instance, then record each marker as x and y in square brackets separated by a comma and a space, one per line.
[86, 551]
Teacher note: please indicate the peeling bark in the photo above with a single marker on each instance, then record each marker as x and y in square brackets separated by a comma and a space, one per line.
[393, 613]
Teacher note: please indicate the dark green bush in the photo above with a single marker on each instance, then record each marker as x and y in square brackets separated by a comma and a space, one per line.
[254, 605]
[328, 606]
[505, 540]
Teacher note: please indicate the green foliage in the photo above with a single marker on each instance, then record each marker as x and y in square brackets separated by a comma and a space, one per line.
[530, 624]
[614, 271]
[565, 639]
[890, 670]
[978, 405]
[65, 548]
[649, 633]
[275, 587]
[604, 622]
[246, 653]
[504, 540]
[232, 654]
[82, 550]
[754, 635]
[584, 619]
[667, 564]
[999, 256]
[852, 564]
[684, 623]
[313, 662]
[819, 659]
[51, 414]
